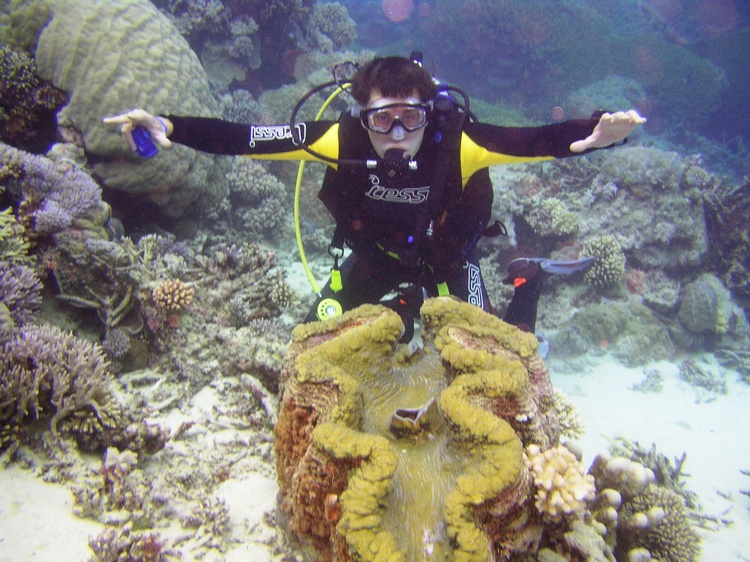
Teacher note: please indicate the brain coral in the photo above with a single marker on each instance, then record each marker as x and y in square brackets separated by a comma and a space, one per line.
[113, 56]
[705, 305]
[353, 490]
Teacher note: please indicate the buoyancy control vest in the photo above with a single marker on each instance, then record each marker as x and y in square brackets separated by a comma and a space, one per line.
[415, 215]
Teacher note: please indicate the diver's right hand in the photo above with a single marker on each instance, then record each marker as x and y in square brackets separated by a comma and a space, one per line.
[158, 127]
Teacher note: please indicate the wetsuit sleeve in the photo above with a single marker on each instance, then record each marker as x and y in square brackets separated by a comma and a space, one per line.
[273, 142]
[486, 145]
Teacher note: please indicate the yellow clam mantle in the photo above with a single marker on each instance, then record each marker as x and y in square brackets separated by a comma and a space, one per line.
[455, 489]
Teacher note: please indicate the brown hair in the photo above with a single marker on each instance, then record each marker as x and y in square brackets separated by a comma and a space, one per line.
[394, 77]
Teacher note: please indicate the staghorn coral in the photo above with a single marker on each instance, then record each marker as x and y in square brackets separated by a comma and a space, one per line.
[48, 373]
[562, 485]
[173, 295]
[702, 376]
[356, 495]
[608, 270]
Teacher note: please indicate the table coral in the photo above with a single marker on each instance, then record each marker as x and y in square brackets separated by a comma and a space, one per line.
[344, 478]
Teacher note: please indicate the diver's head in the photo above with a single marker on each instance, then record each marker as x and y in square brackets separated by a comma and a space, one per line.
[393, 77]
[396, 94]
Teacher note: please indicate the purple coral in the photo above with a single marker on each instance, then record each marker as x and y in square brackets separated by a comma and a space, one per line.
[55, 194]
[45, 371]
[20, 291]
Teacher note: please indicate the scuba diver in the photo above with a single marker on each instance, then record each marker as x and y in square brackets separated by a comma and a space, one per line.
[407, 184]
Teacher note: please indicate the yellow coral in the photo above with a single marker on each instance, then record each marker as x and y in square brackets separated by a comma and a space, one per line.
[563, 487]
[173, 295]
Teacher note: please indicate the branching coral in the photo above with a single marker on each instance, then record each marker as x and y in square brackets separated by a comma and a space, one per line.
[14, 246]
[54, 196]
[48, 373]
[20, 291]
[571, 424]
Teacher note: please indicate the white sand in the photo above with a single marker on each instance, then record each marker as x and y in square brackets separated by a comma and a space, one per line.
[714, 434]
[37, 521]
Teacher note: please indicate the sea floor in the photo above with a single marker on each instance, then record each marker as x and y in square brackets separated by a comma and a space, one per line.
[38, 521]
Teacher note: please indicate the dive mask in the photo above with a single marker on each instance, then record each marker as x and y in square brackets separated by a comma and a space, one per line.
[411, 116]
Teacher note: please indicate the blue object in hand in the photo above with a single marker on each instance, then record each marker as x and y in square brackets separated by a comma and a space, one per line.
[144, 146]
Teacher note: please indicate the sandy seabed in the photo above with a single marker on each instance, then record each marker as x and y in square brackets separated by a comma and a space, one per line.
[37, 521]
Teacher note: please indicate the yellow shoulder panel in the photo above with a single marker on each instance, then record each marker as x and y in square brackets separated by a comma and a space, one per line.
[475, 157]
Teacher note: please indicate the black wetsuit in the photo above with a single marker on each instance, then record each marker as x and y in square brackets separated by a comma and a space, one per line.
[377, 212]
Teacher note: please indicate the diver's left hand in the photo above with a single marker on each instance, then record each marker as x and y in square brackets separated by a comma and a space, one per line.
[612, 128]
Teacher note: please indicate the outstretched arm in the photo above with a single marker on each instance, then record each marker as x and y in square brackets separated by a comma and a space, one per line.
[612, 128]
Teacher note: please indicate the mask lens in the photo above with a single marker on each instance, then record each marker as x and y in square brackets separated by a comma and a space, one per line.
[383, 119]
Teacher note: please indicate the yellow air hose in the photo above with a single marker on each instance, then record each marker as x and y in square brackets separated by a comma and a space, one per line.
[300, 172]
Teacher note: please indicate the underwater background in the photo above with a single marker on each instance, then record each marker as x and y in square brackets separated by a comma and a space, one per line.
[147, 306]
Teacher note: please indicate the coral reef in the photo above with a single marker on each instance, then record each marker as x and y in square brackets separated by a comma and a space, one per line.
[643, 519]
[552, 218]
[562, 485]
[330, 27]
[702, 376]
[47, 373]
[632, 332]
[657, 521]
[571, 424]
[14, 244]
[726, 208]
[27, 104]
[653, 381]
[173, 295]
[54, 196]
[20, 292]
[258, 201]
[705, 306]
[609, 269]
[91, 71]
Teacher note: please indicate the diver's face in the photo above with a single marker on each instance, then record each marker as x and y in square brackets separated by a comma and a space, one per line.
[398, 137]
